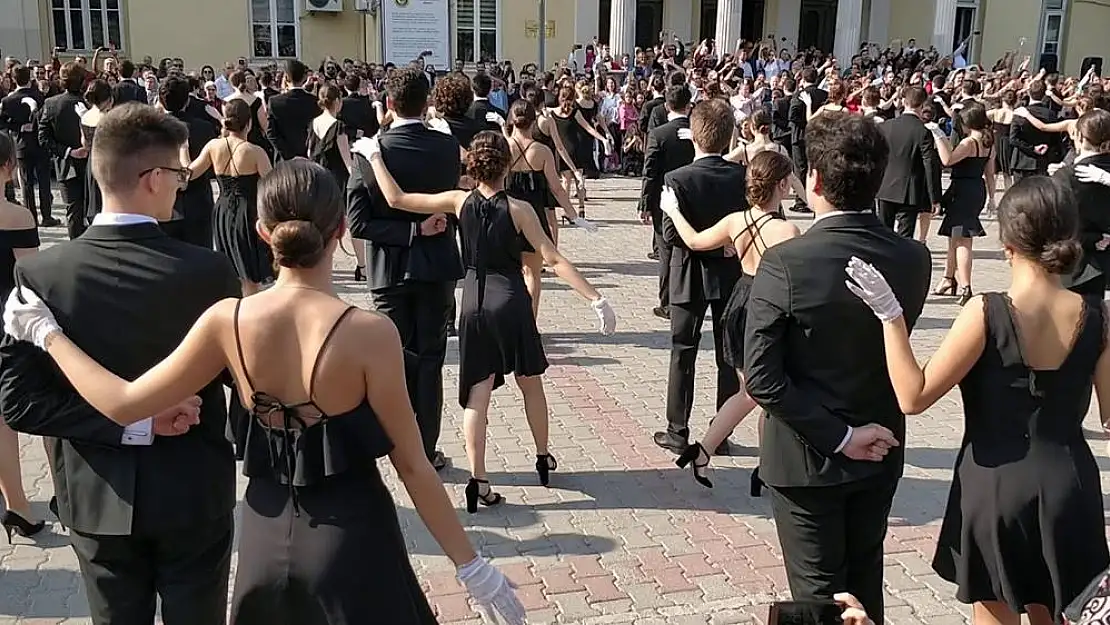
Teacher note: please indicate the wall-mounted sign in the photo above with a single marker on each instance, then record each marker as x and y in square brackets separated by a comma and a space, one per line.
[412, 27]
[532, 29]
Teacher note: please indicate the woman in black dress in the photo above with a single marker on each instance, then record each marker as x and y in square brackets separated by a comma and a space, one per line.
[240, 81]
[546, 133]
[18, 237]
[751, 233]
[99, 97]
[574, 130]
[497, 332]
[1024, 530]
[327, 139]
[973, 180]
[238, 165]
[320, 541]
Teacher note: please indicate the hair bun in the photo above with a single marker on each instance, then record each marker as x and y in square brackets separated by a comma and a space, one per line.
[1060, 257]
[297, 243]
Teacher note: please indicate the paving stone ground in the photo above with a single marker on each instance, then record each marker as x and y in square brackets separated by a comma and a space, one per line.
[622, 536]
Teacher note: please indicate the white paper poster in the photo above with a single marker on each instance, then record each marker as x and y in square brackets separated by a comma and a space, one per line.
[411, 27]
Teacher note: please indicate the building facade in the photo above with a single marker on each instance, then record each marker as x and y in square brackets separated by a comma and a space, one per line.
[1057, 33]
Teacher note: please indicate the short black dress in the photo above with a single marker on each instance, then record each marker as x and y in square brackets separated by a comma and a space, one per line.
[529, 186]
[569, 132]
[324, 151]
[497, 332]
[736, 308]
[320, 541]
[965, 198]
[11, 240]
[1024, 522]
[1003, 151]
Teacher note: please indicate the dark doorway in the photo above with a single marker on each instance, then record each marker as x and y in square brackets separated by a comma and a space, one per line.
[751, 22]
[965, 25]
[818, 25]
[649, 22]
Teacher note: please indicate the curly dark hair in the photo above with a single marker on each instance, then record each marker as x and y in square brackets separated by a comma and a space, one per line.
[452, 95]
[850, 153]
[408, 89]
[488, 158]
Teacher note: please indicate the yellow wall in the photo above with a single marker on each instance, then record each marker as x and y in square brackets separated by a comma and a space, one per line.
[516, 45]
[331, 34]
[201, 32]
[1007, 21]
[913, 19]
[1085, 34]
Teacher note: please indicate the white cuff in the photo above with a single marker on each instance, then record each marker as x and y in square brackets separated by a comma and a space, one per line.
[844, 443]
[139, 433]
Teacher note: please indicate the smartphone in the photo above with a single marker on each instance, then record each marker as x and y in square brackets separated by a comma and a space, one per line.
[804, 613]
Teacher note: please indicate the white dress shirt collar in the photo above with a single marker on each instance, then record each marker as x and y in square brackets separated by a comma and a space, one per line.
[818, 218]
[405, 121]
[673, 116]
[122, 219]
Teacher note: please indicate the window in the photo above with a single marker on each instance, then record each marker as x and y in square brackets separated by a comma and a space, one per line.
[87, 24]
[476, 36]
[274, 29]
[1053, 22]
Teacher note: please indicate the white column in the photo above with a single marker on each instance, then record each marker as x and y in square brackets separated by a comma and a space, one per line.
[585, 20]
[622, 27]
[878, 30]
[944, 26]
[677, 16]
[849, 14]
[790, 15]
[728, 23]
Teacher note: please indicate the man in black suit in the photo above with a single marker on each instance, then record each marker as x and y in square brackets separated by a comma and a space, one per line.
[707, 190]
[911, 183]
[412, 260]
[668, 147]
[290, 114]
[658, 98]
[358, 115]
[797, 114]
[19, 115]
[60, 136]
[781, 131]
[192, 212]
[479, 111]
[149, 506]
[816, 363]
[660, 114]
[127, 90]
[266, 82]
[1033, 148]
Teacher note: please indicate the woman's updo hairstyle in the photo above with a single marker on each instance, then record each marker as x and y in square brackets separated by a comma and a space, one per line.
[1039, 221]
[328, 95]
[522, 115]
[1094, 129]
[99, 93]
[488, 157]
[237, 115]
[761, 122]
[301, 205]
[765, 172]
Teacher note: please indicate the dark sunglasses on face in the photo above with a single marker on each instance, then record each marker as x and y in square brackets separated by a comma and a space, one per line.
[184, 174]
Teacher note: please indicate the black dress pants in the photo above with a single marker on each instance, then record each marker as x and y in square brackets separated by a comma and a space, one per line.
[801, 165]
[686, 322]
[75, 202]
[663, 251]
[187, 568]
[902, 218]
[832, 539]
[421, 310]
[34, 175]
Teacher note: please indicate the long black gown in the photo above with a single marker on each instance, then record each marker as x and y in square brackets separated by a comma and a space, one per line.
[497, 332]
[235, 215]
[1024, 523]
[320, 541]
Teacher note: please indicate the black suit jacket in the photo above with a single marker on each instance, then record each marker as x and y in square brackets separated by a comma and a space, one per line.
[646, 113]
[60, 132]
[912, 174]
[290, 118]
[708, 190]
[423, 161]
[464, 129]
[127, 90]
[814, 352]
[358, 117]
[797, 111]
[1094, 220]
[1025, 138]
[477, 113]
[136, 280]
[781, 130]
[21, 119]
[666, 151]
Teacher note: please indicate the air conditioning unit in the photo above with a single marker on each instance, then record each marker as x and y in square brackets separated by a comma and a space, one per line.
[324, 6]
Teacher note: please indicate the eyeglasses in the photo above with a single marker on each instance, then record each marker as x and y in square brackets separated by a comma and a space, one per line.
[184, 174]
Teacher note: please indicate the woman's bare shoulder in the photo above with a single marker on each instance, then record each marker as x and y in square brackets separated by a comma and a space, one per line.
[15, 217]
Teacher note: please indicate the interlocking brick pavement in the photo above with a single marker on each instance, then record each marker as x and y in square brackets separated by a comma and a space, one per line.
[622, 536]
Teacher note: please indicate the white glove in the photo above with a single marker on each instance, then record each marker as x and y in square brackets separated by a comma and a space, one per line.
[1090, 173]
[934, 128]
[805, 97]
[606, 315]
[870, 286]
[439, 124]
[668, 202]
[29, 320]
[495, 118]
[1054, 167]
[585, 224]
[368, 148]
[492, 591]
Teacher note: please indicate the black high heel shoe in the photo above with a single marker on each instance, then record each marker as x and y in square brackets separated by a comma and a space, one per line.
[545, 464]
[13, 522]
[474, 495]
[691, 456]
[756, 486]
[947, 286]
[360, 275]
[965, 295]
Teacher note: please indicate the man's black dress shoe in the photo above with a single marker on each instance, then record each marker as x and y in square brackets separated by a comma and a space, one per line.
[50, 222]
[671, 442]
[661, 312]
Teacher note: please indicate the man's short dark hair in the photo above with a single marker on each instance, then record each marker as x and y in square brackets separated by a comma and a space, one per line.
[174, 94]
[481, 85]
[1037, 90]
[676, 78]
[408, 90]
[265, 79]
[658, 84]
[296, 71]
[809, 75]
[788, 84]
[129, 138]
[127, 69]
[352, 83]
[711, 124]
[915, 97]
[850, 153]
[678, 98]
[22, 76]
[73, 77]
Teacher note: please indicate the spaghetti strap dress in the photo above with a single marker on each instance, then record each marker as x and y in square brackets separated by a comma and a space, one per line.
[546, 140]
[736, 308]
[497, 332]
[529, 186]
[569, 131]
[1024, 522]
[1003, 150]
[965, 198]
[324, 151]
[235, 215]
[320, 541]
